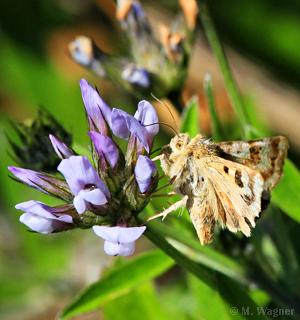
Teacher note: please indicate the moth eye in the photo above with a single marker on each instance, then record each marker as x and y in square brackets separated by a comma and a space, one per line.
[179, 145]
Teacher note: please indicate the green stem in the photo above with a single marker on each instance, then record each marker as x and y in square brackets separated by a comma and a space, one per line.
[201, 272]
[231, 86]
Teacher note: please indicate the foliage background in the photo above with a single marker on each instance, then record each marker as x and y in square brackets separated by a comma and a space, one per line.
[40, 274]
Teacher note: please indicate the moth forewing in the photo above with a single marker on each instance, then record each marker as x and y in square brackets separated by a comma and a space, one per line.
[239, 190]
[225, 182]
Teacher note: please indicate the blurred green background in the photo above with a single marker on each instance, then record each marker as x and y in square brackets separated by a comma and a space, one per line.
[40, 274]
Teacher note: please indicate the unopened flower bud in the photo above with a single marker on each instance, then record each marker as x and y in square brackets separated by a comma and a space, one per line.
[35, 152]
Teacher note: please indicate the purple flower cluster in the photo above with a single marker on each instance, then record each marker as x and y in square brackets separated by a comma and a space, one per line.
[108, 196]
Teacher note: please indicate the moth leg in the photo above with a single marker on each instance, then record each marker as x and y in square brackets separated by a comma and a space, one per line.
[159, 157]
[170, 183]
[172, 193]
[173, 207]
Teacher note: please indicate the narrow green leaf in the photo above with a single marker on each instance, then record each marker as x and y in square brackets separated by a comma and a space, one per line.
[286, 194]
[230, 84]
[141, 302]
[209, 304]
[235, 294]
[191, 247]
[224, 300]
[287, 252]
[190, 118]
[239, 305]
[214, 260]
[218, 133]
[123, 278]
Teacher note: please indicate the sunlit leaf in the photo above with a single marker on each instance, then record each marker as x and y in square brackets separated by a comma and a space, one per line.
[190, 119]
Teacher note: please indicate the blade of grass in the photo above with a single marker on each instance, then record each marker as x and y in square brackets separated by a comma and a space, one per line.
[230, 84]
[190, 118]
[218, 133]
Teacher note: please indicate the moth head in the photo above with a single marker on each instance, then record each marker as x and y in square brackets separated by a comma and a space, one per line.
[179, 142]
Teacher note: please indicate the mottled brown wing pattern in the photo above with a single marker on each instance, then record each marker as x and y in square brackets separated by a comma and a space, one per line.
[202, 203]
[264, 155]
[239, 190]
[201, 210]
[227, 182]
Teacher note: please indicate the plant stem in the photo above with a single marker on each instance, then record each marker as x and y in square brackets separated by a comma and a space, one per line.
[230, 84]
[199, 271]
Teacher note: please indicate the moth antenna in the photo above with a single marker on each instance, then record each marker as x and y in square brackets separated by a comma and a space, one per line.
[168, 110]
[166, 124]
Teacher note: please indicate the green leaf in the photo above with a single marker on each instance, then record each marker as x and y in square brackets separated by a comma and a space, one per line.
[286, 194]
[190, 119]
[232, 89]
[218, 132]
[191, 247]
[145, 303]
[119, 281]
[224, 300]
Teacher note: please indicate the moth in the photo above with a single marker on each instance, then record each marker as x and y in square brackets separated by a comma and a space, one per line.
[225, 182]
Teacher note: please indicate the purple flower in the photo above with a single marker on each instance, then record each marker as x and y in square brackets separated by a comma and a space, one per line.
[144, 171]
[119, 240]
[137, 76]
[147, 116]
[60, 148]
[42, 182]
[105, 147]
[96, 108]
[42, 218]
[124, 123]
[84, 182]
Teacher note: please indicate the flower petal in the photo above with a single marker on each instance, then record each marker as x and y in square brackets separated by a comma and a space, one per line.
[95, 106]
[123, 123]
[119, 234]
[127, 235]
[126, 249]
[122, 249]
[107, 233]
[41, 218]
[111, 248]
[147, 116]
[95, 196]
[137, 76]
[37, 223]
[79, 204]
[105, 147]
[60, 148]
[79, 172]
[43, 182]
[144, 171]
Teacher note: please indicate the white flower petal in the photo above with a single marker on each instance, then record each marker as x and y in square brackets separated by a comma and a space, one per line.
[37, 223]
[126, 249]
[96, 196]
[111, 248]
[78, 172]
[119, 234]
[127, 235]
[107, 233]
[79, 204]
[122, 249]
